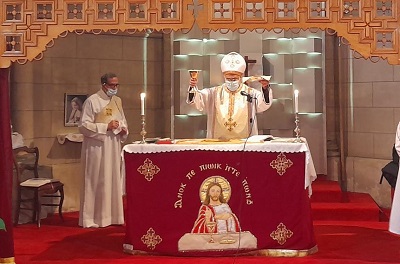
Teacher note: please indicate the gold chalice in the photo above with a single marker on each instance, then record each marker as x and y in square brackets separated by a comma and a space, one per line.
[211, 228]
[194, 74]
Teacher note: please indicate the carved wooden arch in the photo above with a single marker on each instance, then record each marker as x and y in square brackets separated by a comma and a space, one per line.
[29, 27]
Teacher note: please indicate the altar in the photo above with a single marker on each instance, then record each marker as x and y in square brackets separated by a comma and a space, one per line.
[264, 189]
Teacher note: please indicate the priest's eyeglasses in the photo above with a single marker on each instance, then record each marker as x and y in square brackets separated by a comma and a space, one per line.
[113, 85]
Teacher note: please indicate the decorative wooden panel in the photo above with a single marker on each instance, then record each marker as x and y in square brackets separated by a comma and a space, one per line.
[29, 27]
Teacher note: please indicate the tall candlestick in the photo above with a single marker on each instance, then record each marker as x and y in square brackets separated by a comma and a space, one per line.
[142, 96]
[296, 101]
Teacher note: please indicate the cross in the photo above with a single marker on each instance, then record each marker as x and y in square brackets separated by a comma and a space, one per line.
[281, 164]
[248, 61]
[196, 7]
[229, 124]
[221, 10]
[281, 234]
[368, 25]
[29, 28]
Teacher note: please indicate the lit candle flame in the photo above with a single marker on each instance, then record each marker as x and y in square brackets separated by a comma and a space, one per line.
[296, 101]
[142, 96]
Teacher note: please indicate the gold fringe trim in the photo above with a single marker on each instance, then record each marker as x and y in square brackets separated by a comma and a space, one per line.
[289, 253]
[137, 252]
[7, 260]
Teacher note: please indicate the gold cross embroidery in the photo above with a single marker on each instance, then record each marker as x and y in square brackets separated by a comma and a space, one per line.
[230, 124]
[148, 169]
[281, 234]
[281, 163]
[108, 111]
[151, 239]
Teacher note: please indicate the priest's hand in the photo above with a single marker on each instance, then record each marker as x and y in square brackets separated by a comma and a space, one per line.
[123, 132]
[114, 124]
[264, 83]
[208, 214]
[193, 82]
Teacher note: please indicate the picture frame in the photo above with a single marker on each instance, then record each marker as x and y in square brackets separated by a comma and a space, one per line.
[73, 108]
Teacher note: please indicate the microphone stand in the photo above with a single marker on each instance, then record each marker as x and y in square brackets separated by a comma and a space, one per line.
[248, 96]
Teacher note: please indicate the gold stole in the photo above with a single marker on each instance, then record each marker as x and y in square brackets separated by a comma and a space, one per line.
[231, 114]
[110, 112]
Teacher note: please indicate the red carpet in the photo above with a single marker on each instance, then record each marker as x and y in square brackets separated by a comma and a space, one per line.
[347, 230]
[329, 203]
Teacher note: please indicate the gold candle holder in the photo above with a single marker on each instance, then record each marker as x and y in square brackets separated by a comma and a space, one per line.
[143, 132]
[297, 129]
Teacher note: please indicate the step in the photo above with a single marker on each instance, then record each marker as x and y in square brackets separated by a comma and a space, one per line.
[384, 214]
[326, 191]
[355, 207]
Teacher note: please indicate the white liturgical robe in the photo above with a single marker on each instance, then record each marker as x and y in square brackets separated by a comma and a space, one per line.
[101, 193]
[230, 114]
[228, 225]
[394, 221]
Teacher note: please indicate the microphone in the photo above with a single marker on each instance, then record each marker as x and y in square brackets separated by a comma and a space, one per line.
[249, 97]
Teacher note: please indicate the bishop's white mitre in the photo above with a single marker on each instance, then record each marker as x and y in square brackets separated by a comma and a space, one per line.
[233, 61]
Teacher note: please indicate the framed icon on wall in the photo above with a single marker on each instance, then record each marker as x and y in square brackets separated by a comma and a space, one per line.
[73, 108]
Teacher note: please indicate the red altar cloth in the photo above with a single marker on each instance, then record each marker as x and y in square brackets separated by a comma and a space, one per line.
[267, 195]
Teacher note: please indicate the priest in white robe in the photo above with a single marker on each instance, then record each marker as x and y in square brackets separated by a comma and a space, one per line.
[231, 107]
[394, 221]
[104, 127]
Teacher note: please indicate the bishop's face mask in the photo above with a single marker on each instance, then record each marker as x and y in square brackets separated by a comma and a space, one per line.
[232, 85]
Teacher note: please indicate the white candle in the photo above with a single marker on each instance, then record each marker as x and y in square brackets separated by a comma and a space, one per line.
[142, 96]
[296, 101]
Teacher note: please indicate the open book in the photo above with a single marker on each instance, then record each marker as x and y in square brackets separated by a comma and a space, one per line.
[259, 138]
[37, 182]
[256, 78]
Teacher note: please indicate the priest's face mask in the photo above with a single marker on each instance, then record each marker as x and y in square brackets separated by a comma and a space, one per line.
[111, 87]
[232, 80]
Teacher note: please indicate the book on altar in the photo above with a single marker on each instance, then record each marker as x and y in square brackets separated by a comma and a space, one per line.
[259, 138]
[37, 182]
[256, 78]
